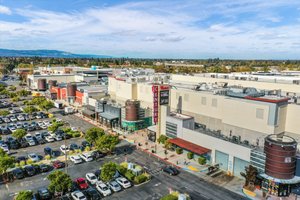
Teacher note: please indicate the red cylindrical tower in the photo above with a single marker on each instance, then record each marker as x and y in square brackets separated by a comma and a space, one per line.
[42, 84]
[71, 90]
[280, 156]
[132, 108]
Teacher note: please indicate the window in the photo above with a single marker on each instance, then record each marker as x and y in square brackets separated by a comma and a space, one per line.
[259, 113]
[214, 102]
[171, 129]
[186, 97]
[203, 100]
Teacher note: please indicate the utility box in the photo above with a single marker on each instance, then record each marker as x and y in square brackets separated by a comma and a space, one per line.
[58, 104]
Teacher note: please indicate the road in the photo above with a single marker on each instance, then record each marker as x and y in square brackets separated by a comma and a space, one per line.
[155, 189]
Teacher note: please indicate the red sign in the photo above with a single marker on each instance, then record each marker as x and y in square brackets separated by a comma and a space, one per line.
[164, 87]
[155, 103]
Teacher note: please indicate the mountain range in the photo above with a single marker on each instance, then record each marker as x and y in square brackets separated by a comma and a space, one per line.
[46, 53]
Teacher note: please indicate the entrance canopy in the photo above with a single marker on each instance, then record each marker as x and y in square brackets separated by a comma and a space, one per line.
[189, 146]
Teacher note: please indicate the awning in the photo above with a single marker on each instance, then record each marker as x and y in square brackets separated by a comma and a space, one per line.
[108, 116]
[189, 146]
[88, 112]
[152, 128]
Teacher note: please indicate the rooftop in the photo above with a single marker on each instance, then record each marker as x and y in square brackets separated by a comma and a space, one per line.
[180, 116]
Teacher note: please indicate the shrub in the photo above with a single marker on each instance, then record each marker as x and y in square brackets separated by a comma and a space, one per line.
[162, 139]
[87, 148]
[75, 134]
[29, 162]
[124, 164]
[169, 197]
[140, 179]
[22, 163]
[179, 150]
[47, 157]
[129, 175]
[121, 169]
[190, 155]
[17, 164]
[202, 160]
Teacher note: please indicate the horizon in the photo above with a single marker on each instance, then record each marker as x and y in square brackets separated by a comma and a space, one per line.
[239, 30]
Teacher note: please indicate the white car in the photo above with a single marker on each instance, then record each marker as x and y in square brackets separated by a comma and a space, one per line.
[5, 148]
[76, 159]
[103, 189]
[123, 182]
[6, 120]
[19, 125]
[20, 118]
[49, 138]
[38, 135]
[40, 123]
[114, 186]
[47, 123]
[87, 157]
[77, 195]
[31, 142]
[58, 137]
[13, 119]
[65, 149]
[33, 157]
[28, 137]
[92, 178]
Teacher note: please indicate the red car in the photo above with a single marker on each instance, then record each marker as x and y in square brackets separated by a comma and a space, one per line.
[58, 164]
[82, 184]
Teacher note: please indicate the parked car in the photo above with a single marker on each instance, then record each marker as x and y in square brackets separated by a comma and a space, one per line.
[97, 154]
[171, 170]
[18, 173]
[75, 159]
[82, 184]
[77, 195]
[58, 137]
[92, 194]
[21, 158]
[44, 168]
[44, 194]
[73, 146]
[87, 157]
[23, 143]
[13, 144]
[49, 138]
[47, 151]
[103, 189]
[114, 186]
[123, 182]
[29, 170]
[92, 178]
[58, 164]
[64, 149]
[34, 157]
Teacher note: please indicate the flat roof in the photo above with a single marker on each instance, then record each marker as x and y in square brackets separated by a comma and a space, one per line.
[180, 116]
[189, 146]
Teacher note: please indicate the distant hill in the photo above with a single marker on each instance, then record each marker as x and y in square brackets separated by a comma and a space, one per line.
[46, 53]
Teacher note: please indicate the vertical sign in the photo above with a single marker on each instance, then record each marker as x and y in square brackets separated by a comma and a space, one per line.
[155, 103]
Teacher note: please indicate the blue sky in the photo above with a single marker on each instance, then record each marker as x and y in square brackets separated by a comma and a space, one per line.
[240, 29]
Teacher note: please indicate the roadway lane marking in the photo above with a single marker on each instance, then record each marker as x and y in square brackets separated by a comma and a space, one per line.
[157, 184]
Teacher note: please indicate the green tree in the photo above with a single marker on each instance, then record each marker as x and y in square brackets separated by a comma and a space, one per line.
[16, 99]
[93, 134]
[12, 88]
[55, 125]
[107, 143]
[108, 171]
[6, 162]
[4, 112]
[59, 182]
[19, 133]
[30, 109]
[46, 105]
[169, 197]
[25, 195]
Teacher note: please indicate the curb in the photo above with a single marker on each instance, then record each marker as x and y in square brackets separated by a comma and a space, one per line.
[142, 183]
[157, 157]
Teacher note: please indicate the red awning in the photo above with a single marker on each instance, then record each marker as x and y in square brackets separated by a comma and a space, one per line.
[189, 146]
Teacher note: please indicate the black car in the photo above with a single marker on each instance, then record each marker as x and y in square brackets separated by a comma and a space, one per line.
[85, 144]
[97, 154]
[21, 158]
[171, 170]
[47, 151]
[18, 173]
[40, 140]
[29, 170]
[73, 147]
[97, 173]
[92, 194]
[44, 168]
[23, 143]
[44, 194]
[13, 144]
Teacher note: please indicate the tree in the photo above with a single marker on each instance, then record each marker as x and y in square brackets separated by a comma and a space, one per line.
[19, 133]
[93, 134]
[6, 162]
[107, 143]
[108, 171]
[30, 109]
[59, 182]
[16, 99]
[55, 125]
[4, 112]
[12, 88]
[46, 105]
[25, 195]
[250, 176]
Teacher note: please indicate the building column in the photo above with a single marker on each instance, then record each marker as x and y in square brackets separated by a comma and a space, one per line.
[213, 156]
[230, 165]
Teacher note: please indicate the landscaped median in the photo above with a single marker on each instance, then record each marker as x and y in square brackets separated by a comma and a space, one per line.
[175, 195]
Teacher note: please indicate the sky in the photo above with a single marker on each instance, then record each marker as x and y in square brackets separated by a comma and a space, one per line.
[198, 29]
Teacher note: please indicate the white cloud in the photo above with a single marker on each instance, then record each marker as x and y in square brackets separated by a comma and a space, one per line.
[5, 10]
[149, 30]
